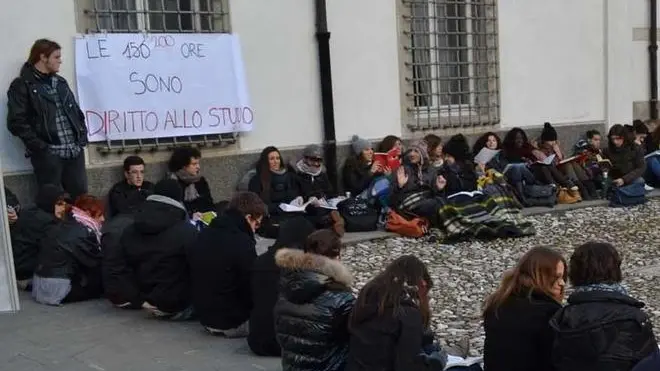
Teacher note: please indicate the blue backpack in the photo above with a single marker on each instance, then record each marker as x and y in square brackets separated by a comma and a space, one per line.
[628, 195]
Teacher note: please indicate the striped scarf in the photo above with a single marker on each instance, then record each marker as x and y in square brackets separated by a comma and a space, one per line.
[82, 217]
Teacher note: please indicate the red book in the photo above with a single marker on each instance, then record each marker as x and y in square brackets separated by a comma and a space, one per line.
[391, 159]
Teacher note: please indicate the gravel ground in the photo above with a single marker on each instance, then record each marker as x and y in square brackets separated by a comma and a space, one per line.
[465, 273]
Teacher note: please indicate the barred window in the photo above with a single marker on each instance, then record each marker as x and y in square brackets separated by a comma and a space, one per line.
[172, 16]
[451, 61]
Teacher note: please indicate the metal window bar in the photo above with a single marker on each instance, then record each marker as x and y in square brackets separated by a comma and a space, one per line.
[154, 16]
[451, 63]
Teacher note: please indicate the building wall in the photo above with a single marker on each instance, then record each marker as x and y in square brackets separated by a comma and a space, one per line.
[586, 71]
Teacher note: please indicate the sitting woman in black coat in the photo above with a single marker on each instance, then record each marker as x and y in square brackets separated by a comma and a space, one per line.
[627, 158]
[311, 315]
[265, 282]
[360, 170]
[28, 231]
[389, 325]
[602, 328]
[69, 263]
[184, 166]
[516, 315]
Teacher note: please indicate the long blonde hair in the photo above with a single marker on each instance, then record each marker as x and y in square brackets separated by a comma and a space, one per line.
[536, 271]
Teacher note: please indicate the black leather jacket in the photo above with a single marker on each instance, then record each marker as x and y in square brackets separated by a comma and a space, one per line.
[31, 112]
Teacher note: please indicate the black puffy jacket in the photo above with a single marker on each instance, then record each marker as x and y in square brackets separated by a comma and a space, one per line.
[68, 250]
[31, 112]
[311, 315]
[151, 264]
[26, 238]
[601, 331]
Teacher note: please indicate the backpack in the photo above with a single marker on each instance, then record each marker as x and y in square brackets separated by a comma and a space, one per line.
[539, 195]
[628, 195]
[415, 227]
[358, 214]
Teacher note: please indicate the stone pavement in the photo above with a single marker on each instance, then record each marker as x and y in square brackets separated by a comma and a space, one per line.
[93, 336]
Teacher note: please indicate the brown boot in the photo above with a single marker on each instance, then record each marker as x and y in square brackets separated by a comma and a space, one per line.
[564, 197]
[337, 223]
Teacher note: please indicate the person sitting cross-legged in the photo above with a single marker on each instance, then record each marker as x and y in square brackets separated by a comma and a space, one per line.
[221, 263]
[132, 191]
[149, 267]
[184, 167]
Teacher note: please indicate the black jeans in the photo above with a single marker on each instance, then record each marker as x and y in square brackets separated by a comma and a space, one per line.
[70, 174]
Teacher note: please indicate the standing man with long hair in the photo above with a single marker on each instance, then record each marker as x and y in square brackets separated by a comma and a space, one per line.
[42, 111]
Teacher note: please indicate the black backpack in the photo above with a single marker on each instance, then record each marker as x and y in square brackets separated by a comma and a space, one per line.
[359, 215]
[539, 195]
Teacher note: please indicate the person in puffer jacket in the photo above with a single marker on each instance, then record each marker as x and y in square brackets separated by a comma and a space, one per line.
[311, 315]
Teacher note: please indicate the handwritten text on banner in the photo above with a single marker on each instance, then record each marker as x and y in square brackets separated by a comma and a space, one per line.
[137, 86]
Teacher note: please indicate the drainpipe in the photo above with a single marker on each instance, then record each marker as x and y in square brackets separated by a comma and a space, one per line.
[327, 104]
[653, 59]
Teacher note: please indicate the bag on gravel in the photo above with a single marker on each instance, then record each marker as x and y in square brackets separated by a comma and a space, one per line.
[539, 195]
[415, 227]
[628, 195]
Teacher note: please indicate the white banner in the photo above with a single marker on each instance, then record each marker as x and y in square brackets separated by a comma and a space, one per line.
[137, 86]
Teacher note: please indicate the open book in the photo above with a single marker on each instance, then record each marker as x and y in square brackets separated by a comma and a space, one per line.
[390, 159]
[296, 206]
[485, 155]
[579, 157]
[548, 160]
[454, 361]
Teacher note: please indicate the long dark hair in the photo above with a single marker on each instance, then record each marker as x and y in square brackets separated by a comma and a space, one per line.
[263, 171]
[402, 277]
[388, 143]
[619, 130]
[509, 144]
[536, 271]
[481, 142]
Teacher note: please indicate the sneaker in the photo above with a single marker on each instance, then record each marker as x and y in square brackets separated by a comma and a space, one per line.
[648, 188]
[338, 224]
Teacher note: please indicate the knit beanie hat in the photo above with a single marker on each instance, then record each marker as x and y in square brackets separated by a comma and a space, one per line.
[548, 133]
[421, 147]
[169, 188]
[358, 144]
[457, 147]
[313, 151]
[49, 195]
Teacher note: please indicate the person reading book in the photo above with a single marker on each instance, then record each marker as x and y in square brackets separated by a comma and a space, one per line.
[361, 169]
[627, 158]
[485, 149]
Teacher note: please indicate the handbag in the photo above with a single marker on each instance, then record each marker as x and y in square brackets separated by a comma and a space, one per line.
[414, 227]
[628, 195]
[359, 215]
[539, 195]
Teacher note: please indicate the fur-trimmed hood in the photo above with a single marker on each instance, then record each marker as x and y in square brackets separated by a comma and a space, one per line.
[305, 275]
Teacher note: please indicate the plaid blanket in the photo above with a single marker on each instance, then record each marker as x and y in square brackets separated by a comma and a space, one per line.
[493, 213]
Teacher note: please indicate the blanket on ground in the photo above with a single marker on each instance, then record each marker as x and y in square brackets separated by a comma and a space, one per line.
[494, 213]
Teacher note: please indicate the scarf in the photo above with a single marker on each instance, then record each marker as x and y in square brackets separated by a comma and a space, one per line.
[83, 218]
[305, 168]
[607, 287]
[279, 171]
[190, 192]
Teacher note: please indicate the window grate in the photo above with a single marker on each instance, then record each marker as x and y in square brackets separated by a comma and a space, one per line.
[159, 16]
[451, 60]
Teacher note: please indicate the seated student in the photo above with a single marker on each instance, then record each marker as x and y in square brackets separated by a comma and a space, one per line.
[652, 174]
[311, 315]
[416, 183]
[221, 263]
[434, 148]
[275, 184]
[389, 142]
[514, 153]
[641, 132]
[184, 166]
[148, 268]
[590, 147]
[360, 170]
[458, 169]
[314, 184]
[627, 158]
[69, 263]
[549, 145]
[28, 232]
[602, 327]
[390, 323]
[489, 140]
[516, 315]
[131, 192]
[265, 282]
